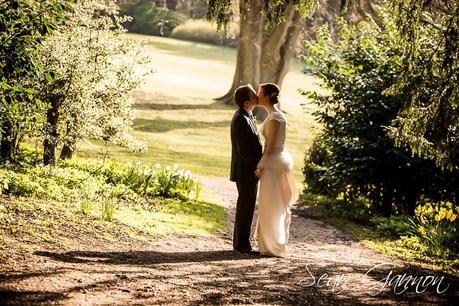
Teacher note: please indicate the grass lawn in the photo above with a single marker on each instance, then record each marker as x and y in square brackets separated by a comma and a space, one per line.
[28, 223]
[179, 120]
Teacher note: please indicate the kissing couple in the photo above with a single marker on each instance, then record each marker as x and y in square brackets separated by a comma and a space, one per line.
[272, 167]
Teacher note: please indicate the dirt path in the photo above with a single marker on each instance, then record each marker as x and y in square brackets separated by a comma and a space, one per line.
[204, 270]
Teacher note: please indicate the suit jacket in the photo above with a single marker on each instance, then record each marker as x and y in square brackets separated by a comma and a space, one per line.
[246, 147]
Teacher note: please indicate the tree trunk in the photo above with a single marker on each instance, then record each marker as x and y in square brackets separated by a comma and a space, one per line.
[67, 151]
[49, 145]
[249, 52]
[264, 57]
[6, 145]
[279, 46]
[69, 145]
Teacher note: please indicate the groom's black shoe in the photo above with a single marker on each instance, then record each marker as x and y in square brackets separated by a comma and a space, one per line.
[248, 251]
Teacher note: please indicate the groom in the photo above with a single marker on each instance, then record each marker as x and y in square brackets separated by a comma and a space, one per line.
[245, 155]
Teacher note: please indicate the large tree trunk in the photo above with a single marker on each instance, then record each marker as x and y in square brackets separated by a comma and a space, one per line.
[6, 145]
[67, 151]
[275, 49]
[49, 145]
[249, 52]
[279, 46]
[69, 145]
[264, 56]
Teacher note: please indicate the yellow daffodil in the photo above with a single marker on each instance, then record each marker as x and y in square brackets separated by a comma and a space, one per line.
[422, 230]
[423, 221]
[449, 214]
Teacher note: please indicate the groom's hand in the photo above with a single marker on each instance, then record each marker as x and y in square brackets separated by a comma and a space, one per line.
[258, 172]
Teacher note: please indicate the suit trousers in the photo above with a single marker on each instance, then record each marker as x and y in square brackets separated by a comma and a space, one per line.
[247, 189]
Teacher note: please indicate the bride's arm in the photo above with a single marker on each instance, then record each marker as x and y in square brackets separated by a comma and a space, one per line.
[273, 129]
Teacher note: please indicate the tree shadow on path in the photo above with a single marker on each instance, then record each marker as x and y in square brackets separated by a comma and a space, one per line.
[145, 257]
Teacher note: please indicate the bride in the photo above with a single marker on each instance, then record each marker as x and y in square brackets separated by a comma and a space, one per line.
[277, 183]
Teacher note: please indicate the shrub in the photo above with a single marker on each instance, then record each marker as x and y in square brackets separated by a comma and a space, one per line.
[314, 169]
[148, 18]
[353, 154]
[395, 226]
[203, 31]
[358, 210]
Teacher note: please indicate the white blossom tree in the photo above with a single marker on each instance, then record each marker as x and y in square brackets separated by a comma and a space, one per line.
[90, 96]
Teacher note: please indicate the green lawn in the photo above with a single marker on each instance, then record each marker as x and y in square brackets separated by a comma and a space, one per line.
[30, 223]
[179, 120]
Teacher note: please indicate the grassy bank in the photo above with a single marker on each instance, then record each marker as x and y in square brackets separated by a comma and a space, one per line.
[391, 236]
[99, 200]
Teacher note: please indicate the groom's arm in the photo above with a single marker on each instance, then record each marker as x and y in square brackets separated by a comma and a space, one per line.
[243, 141]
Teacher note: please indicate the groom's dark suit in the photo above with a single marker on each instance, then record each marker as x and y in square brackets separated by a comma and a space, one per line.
[245, 155]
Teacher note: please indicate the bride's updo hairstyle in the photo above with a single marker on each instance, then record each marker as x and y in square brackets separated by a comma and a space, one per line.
[271, 90]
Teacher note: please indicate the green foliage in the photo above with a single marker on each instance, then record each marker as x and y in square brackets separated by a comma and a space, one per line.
[151, 19]
[88, 180]
[412, 243]
[223, 11]
[206, 32]
[428, 122]
[358, 210]
[392, 227]
[314, 169]
[353, 155]
[23, 26]
[94, 77]
[108, 208]
[436, 225]
[85, 206]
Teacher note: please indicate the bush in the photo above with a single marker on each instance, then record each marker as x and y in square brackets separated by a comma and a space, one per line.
[206, 32]
[148, 18]
[358, 210]
[313, 171]
[353, 155]
[394, 227]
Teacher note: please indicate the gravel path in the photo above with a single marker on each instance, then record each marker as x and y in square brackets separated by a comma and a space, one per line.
[325, 267]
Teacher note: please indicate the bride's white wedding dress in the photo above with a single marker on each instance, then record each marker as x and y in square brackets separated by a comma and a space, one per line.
[276, 194]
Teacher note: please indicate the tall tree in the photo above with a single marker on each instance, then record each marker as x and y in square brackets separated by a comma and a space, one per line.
[263, 56]
[250, 46]
[266, 57]
[429, 120]
[91, 95]
[23, 26]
